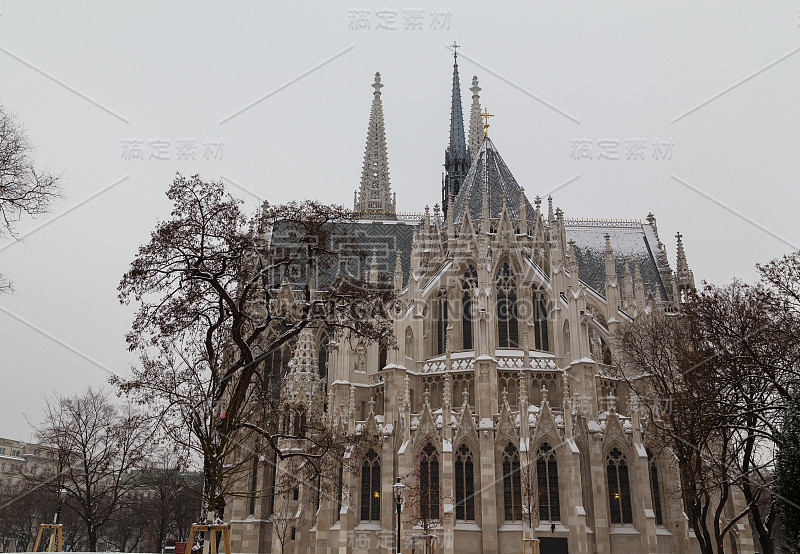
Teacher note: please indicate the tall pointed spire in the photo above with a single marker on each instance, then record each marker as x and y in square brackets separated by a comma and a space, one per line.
[683, 275]
[375, 197]
[456, 157]
[475, 125]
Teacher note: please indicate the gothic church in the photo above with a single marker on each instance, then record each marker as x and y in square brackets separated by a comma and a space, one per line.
[501, 381]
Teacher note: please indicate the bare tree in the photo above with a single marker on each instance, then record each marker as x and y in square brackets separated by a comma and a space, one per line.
[96, 446]
[423, 502]
[665, 357]
[218, 298]
[170, 498]
[288, 518]
[21, 512]
[24, 189]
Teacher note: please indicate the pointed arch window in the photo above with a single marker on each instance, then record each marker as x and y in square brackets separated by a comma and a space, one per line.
[339, 488]
[512, 485]
[254, 484]
[541, 331]
[468, 284]
[465, 484]
[441, 321]
[322, 357]
[371, 487]
[272, 465]
[276, 366]
[507, 328]
[299, 428]
[619, 487]
[547, 480]
[655, 489]
[382, 357]
[429, 483]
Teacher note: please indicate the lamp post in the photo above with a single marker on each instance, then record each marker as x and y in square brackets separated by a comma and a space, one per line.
[398, 497]
[61, 495]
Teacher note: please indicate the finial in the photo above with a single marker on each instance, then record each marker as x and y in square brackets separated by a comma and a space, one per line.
[372, 405]
[486, 115]
[475, 88]
[455, 46]
[465, 396]
[544, 394]
[426, 397]
[377, 84]
[679, 236]
[505, 396]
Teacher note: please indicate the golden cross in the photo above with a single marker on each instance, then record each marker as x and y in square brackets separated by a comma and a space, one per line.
[486, 115]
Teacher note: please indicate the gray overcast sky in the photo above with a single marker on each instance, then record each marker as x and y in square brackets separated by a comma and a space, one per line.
[87, 77]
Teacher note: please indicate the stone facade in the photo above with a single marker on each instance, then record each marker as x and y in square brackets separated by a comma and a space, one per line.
[501, 379]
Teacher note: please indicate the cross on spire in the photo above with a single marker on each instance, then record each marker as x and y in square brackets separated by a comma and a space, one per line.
[455, 46]
[486, 115]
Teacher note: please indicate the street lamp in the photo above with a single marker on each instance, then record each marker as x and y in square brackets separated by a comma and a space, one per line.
[398, 488]
[62, 494]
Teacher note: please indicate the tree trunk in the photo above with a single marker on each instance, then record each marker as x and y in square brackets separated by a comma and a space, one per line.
[91, 534]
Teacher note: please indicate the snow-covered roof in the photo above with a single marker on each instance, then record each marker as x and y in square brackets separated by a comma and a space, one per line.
[489, 170]
[629, 243]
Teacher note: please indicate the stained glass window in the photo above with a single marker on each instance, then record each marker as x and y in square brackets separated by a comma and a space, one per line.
[468, 284]
[371, 487]
[512, 485]
[547, 480]
[465, 484]
[429, 483]
[507, 331]
[541, 337]
[619, 487]
[655, 490]
[441, 321]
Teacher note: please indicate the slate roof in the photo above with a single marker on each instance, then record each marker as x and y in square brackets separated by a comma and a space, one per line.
[347, 240]
[628, 241]
[488, 169]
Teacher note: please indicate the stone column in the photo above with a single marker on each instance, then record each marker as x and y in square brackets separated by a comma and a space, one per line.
[570, 483]
[486, 406]
[599, 494]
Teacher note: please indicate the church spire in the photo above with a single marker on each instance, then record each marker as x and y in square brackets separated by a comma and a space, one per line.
[456, 157]
[684, 276]
[375, 197]
[475, 125]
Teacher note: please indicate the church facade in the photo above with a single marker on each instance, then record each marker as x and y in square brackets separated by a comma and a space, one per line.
[500, 400]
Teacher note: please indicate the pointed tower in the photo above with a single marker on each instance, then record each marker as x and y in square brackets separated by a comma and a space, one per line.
[486, 184]
[301, 385]
[684, 278]
[456, 157]
[475, 126]
[375, 199]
